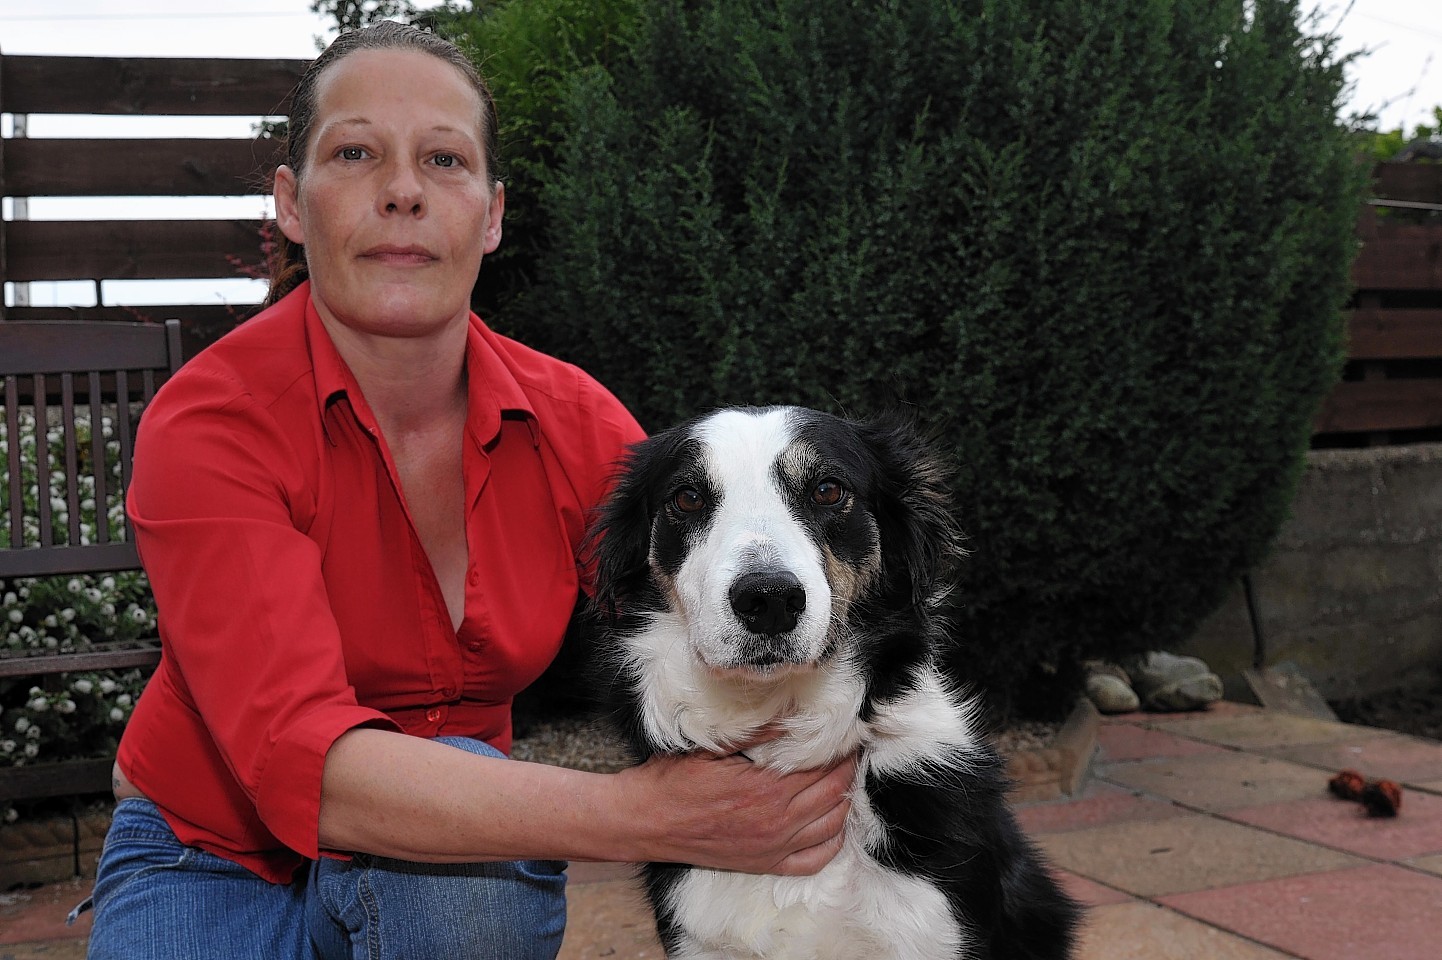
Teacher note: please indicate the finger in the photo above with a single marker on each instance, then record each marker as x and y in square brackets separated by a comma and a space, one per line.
[812, 859]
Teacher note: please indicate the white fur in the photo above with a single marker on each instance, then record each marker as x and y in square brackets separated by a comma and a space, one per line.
[752, 529]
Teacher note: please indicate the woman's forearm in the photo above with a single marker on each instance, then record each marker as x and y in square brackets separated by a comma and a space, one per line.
[409, 798]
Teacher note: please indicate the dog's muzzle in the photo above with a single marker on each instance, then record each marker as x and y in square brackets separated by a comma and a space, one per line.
[768, 602]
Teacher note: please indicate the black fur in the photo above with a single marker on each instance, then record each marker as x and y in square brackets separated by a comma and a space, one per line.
[948, 823]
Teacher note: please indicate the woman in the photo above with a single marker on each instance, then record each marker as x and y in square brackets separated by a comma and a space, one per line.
[361, 514]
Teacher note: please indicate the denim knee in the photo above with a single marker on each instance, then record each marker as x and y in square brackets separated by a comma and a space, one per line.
[157, 899]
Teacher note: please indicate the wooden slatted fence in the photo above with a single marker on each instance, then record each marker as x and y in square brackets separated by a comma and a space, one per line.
[1392, 389]
[98, 250]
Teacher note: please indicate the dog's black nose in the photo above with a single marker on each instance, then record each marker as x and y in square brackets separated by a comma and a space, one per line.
[768, 603]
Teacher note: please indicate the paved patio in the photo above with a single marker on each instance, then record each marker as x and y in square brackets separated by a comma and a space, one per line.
[1201, 836]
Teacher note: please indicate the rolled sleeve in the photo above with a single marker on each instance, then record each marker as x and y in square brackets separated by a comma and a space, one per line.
[288, 802]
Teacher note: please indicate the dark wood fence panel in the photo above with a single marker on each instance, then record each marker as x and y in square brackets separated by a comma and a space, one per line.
[132, 249]
[162, 86]
[1392, 385]
[96, 250]
[139, 168]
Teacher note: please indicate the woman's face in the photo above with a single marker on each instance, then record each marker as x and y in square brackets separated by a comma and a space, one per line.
[394, 205]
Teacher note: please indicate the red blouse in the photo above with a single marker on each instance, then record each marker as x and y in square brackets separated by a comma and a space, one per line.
[296, 601]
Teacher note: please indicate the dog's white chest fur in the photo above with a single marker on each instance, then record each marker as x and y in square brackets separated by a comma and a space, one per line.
[855, 908]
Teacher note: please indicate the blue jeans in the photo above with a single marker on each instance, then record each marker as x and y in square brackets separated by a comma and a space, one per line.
[156, 899]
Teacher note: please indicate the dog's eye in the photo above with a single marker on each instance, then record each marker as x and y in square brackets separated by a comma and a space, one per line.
[687, 500]
[828, 493]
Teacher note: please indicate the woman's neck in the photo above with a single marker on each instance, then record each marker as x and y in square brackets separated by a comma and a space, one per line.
[410, 383]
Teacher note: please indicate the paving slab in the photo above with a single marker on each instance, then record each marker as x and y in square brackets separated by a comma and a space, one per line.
[1145, 931]
[1216, 782]
[1415, 832]
[1251, 731]
[1410, 760]
[1373, 912]
[1127, 741]
[1096, 804]
[608, 919]
[39, 914]
[1181, 854]
[1089, 893]
[1429, 864]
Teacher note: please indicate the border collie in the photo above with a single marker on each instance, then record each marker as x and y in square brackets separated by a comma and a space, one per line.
[783, 568]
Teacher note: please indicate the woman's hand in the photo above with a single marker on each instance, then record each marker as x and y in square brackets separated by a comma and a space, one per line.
[731, 814]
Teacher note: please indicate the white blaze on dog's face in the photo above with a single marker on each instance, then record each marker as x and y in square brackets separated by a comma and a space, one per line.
[763, 538]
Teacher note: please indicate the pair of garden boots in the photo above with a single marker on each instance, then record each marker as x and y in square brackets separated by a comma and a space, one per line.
[1157, 681]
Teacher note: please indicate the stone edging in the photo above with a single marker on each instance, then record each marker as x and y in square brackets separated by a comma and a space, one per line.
[1058, 769]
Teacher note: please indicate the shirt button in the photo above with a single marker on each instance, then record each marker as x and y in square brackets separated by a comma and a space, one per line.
[433, 714]
[475, 577]
[474, 646]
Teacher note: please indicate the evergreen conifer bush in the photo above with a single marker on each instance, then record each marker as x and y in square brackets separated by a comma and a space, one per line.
[1100, 247]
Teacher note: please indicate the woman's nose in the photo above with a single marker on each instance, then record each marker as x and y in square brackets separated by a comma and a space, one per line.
[402, 191]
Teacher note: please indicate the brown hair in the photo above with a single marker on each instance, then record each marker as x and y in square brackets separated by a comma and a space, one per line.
[286, 260]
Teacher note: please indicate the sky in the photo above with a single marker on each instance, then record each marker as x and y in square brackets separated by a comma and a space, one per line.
[1398, 78]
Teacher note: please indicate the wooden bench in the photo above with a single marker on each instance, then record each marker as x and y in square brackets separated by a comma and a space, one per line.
[54, 376]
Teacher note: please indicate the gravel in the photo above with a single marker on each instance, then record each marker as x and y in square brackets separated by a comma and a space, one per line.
[583, 744]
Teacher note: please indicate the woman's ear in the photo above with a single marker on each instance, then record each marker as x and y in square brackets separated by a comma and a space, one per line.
[494, 216]
[287, 205]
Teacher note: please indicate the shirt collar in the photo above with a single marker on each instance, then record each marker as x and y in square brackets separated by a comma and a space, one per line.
[493, 390]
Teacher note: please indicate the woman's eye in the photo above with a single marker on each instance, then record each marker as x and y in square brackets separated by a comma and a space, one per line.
[687, 500]
[828, 493]
[446, 160]
[352, 153]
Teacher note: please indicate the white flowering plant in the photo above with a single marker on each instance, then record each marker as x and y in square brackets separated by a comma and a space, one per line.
[80, 714]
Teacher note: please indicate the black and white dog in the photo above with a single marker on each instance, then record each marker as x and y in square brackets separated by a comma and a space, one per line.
[785, 568]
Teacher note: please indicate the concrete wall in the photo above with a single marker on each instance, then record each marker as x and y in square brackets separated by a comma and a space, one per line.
[1352, 592]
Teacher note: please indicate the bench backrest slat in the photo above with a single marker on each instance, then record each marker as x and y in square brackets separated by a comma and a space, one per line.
[59, 371]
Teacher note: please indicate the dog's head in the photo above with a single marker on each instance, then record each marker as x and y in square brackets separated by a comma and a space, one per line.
[761, 529]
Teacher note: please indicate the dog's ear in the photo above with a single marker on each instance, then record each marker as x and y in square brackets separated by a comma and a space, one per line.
[620, 540]
[921, 542]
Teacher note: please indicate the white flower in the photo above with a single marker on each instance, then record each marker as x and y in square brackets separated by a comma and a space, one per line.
[137, 614]
[107, 583]
[67, 614]
[123, 699]
[117, 714]
[15, 616]
[11, 815]
[51, 621]
[39, 704]
[21, 725]
[33, 732]
[51, 643]
[107, 609]
[65, 706]
[107, 686]
[11, 599]
[82, 685]
[32, 750]
[7, 746]
[93, 594]
[75, 585]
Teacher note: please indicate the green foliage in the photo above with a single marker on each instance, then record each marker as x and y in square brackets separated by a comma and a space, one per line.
[1101, 247]
[1382, 145]
[528, 51]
